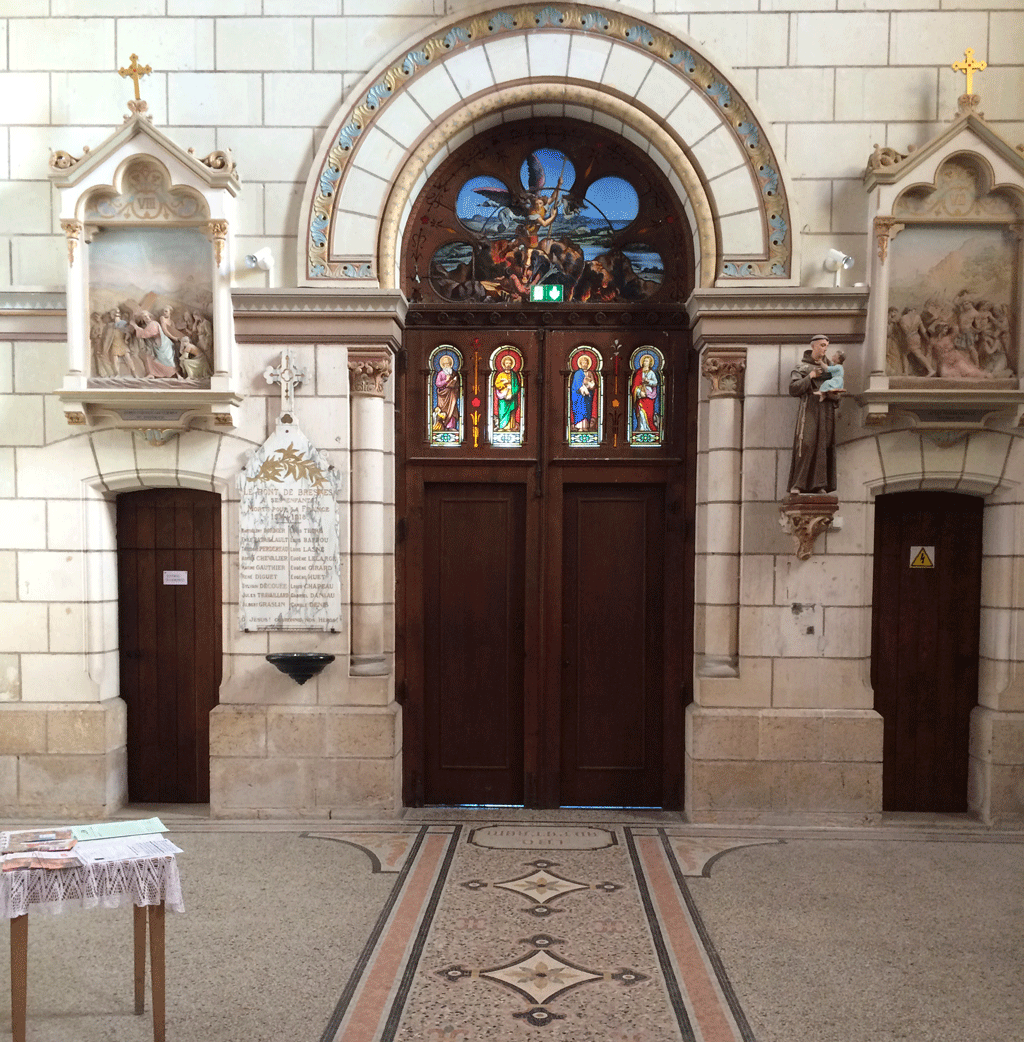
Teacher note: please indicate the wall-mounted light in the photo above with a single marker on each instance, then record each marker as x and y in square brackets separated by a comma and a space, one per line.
[262, 259]
[837, 261]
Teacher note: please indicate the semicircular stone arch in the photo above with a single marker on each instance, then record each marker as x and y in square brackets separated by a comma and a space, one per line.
[591, 64]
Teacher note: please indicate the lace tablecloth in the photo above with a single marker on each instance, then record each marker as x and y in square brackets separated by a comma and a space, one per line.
[109, 884]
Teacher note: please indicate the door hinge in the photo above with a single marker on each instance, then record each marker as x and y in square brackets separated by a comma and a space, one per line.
[401, 692]
[401, 527]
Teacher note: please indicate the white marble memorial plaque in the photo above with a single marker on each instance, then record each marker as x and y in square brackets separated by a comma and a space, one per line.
[289, 547]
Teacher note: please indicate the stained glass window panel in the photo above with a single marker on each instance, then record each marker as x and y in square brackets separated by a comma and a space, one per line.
[584, 405]
[445, 421]
[646, 397]
[507, 415]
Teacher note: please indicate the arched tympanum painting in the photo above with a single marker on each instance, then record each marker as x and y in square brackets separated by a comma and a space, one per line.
[545, 458]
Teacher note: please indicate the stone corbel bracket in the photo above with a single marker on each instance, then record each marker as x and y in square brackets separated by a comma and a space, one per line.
[805, 518]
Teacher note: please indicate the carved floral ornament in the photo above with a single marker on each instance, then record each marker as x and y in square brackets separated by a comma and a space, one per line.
[368, 374]
[73, 230]
[725, 369]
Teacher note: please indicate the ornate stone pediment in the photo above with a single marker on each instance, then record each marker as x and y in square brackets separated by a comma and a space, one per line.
[945, 316]
[149, 318]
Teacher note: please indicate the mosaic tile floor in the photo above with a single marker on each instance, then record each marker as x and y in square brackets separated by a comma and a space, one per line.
[552, 927]
[463, 926]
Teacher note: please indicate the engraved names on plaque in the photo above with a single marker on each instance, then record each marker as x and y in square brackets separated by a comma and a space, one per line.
[289, 545]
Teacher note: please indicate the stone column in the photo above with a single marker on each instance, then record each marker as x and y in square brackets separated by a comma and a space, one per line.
[885, 229]
[368, 373]
[719, 553]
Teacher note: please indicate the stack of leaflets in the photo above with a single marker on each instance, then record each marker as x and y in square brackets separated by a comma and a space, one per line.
[72, 847]
[38, 848]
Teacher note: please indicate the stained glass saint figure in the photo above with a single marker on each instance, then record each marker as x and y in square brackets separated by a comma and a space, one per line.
[444, 401]
[507, 397]
[646, 399]
[584, 404]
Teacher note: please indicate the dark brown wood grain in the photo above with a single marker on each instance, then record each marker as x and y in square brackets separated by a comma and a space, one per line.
[170, 639]
[925, 646]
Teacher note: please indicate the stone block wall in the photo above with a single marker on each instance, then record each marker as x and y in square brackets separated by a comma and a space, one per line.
[265, 78]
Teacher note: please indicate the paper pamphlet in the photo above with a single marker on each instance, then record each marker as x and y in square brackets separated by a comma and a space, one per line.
[112, 829]
[124, 848]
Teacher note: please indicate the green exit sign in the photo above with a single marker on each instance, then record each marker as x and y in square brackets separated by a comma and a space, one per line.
[547, 294]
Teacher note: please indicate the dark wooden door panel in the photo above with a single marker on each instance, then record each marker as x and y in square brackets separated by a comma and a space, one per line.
[473, 615]
[925, 646]
[541, 655]
[170, 639]
[613, 620]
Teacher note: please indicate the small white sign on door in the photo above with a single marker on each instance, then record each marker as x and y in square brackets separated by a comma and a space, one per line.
[175, 578]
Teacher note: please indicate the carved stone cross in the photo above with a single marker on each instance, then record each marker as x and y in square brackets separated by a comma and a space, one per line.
[289, 377]
[969, 67]
[136, 72]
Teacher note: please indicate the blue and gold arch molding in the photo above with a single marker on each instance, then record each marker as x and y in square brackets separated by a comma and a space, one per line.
[619, 27]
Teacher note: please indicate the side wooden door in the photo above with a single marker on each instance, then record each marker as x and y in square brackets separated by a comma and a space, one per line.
[925, 644]
[169, 588]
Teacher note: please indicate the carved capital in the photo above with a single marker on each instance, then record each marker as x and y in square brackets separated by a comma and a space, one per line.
[75, 418]
[217, 232]
[73, 231]
[886, 228]
[805, 518]
[724, 367]
[368, 374]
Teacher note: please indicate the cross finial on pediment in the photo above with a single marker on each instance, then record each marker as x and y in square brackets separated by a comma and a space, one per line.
[969, 67]
[136, 72]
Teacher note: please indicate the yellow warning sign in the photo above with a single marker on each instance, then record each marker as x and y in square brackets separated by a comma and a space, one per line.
[922, 557]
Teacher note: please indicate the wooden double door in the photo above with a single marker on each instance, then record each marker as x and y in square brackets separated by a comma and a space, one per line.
[169, 610]
[545, 589]
[925, 644]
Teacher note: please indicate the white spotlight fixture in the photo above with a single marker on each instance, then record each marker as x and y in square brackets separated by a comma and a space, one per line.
[262, 259]
[837, 261]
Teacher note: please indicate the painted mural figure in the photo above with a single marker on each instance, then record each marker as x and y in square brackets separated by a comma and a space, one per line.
[156, 347]
[446, 396]
[507, 388]
[193, 362]
[116, 347]
[813, 468]
[584, 396]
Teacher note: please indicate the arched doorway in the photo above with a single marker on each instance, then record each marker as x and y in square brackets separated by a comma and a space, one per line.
[545, 475]
[926, 623]
[169, 616]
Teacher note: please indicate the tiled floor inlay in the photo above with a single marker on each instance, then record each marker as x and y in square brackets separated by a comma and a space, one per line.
[631, 960]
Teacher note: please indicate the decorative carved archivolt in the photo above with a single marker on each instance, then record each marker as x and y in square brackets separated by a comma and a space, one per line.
[623, 28]
[368, 374]
[725, 369]
[805, 518]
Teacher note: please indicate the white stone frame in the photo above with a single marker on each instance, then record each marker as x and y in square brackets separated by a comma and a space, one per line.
[102, 170]
[593, 64]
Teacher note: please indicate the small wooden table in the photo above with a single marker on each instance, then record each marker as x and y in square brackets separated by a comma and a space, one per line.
[149, 884]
